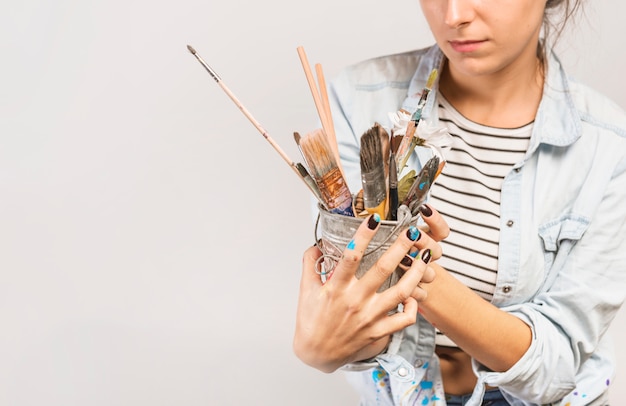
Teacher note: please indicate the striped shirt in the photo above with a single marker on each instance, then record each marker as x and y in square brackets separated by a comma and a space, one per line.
[467, 194]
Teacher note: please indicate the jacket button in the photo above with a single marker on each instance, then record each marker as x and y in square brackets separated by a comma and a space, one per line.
[517, 170]
[506, 289]
[510, 223]
[419, 363]
[403, 372]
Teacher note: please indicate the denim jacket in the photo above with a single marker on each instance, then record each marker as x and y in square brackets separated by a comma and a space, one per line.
[562, 257]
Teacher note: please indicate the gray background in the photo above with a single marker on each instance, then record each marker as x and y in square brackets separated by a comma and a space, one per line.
[150, 238]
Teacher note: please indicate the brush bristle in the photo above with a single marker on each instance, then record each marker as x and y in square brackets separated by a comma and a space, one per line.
[317, 153]
[385, 144]
[334, 191]
[190, 48]
[371, 150]
[302, 170]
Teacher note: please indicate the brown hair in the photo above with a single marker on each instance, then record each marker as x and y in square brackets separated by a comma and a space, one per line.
[556, 16]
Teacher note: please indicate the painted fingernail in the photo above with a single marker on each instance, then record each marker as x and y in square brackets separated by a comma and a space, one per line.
[407, 261]
[413, 254]
[425, 210]
[373, 221]
[413, 233]
[426, 255]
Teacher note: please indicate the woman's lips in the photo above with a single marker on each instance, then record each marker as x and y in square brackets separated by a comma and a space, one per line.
[465, 46]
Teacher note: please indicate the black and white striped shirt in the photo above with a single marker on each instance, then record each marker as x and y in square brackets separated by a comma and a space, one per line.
[467, 194]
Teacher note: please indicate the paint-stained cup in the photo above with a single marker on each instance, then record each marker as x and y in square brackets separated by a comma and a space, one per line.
[335, 231]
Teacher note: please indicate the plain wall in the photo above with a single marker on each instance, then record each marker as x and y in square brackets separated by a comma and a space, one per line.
[150, 238]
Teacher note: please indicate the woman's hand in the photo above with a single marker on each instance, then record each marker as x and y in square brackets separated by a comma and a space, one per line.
[346, 319]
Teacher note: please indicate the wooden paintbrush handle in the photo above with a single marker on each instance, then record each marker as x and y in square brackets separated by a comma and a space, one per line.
[320, 98]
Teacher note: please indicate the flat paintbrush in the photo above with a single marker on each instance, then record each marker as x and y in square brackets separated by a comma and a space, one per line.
[421, 185]
[373, 173]
[254, 122]
[410, 141]
[385, 145]
[323, 167]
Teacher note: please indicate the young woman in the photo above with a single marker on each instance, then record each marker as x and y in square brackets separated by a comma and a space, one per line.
[516, 288]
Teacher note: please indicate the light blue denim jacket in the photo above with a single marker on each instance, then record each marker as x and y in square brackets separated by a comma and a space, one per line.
[562, 259]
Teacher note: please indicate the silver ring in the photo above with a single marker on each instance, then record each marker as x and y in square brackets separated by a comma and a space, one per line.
[319, 267]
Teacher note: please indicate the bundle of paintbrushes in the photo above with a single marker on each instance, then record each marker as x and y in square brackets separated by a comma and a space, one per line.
[382, 157]
[382, 192]
[381, 160]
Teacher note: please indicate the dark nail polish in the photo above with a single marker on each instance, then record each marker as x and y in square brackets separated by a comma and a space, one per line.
[426, 256]
[413, 233]
[373, 221]
[407, 261]
[425, 210]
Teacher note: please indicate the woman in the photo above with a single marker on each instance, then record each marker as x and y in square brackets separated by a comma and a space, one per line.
[533, 269]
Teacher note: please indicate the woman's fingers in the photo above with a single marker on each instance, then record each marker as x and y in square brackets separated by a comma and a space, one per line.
[437, 229]
[432, 232]
[429, 275]
[346, 268]
[412, 277]
[389, 260]
[404, 318]
[408, 241]
[310, 275]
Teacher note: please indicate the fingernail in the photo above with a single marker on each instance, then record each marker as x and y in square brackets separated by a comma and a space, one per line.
[407, 261]
[413, 233]
[425, 210]
[373, 221]
[426, 256]
[413, 254]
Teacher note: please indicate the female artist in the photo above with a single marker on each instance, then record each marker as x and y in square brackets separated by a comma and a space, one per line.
[516, 309]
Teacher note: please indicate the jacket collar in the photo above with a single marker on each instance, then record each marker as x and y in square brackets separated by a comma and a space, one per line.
[557, 121]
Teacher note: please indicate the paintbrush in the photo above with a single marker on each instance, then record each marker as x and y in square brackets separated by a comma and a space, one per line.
[373, 172]
[410, 141]
[304, 172]
[306, 176]
[254, 122]
[393, 188]
[323, 167]
[421, 185]
[297, 137]
[320, 99]
[385, 145]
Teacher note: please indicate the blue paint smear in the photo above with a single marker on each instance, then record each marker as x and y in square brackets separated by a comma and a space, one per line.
[351, 245]
[378, 374]
[426, 384]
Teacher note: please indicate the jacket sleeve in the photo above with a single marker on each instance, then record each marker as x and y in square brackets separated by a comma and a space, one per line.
[584, 288]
